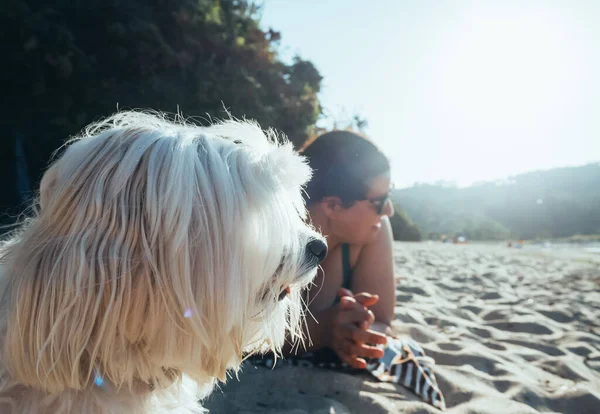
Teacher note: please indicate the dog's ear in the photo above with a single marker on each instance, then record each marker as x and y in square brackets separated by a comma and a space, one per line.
[270, 163]
[286, 167]
[271, 153]
[48, 185]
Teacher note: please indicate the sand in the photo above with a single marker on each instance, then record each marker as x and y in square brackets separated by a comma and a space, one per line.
[511, 330]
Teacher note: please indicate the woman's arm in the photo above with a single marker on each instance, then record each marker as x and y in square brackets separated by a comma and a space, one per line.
[374, 273]
[338, 328]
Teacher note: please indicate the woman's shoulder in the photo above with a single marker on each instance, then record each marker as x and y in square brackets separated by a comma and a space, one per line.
[374, 272]
[381, 244]
[382, 240]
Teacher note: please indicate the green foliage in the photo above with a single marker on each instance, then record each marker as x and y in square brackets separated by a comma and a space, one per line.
[545, 204]
[73, 62]
[403, 228]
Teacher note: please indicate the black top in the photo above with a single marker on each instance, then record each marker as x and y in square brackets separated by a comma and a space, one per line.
[346, 268]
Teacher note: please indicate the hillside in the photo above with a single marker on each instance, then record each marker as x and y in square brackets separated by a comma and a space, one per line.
[543, 204]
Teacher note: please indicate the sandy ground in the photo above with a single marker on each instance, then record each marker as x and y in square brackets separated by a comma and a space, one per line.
[512, 331]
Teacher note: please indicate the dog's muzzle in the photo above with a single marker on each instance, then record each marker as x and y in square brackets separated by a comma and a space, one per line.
[316, 249]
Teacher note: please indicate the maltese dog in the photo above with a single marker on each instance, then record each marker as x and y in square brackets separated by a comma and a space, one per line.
[161, 253]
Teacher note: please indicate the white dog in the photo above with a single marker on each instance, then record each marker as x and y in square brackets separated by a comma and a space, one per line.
[161, 254]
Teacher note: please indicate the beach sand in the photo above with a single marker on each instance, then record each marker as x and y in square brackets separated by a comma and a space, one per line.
[511, 330]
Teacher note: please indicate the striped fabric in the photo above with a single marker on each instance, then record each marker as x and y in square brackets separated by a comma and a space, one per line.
[405, 363]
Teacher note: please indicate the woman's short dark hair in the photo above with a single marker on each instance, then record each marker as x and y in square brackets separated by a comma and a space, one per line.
[343, 163]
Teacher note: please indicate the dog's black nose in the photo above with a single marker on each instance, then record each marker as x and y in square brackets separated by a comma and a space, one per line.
[318, 248]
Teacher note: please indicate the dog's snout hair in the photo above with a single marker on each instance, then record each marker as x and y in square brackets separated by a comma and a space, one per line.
[147, 264]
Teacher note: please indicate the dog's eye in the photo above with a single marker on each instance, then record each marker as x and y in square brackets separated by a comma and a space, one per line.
[284, 293]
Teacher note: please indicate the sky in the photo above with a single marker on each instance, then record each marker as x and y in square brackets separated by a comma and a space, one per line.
[460, 91]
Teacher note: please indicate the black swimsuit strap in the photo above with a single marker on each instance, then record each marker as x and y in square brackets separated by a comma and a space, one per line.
[346, 267]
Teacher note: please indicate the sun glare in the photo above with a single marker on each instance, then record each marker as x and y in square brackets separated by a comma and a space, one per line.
[514, 70]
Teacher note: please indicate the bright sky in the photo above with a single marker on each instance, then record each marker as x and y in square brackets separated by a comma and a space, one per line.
[461, 91]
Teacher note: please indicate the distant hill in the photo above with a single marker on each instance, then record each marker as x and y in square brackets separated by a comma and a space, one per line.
[543, 204]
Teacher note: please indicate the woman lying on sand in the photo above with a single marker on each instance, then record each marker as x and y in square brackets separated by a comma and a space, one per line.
[348, 201]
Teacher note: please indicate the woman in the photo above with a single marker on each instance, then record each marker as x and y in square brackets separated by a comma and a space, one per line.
[348, 201]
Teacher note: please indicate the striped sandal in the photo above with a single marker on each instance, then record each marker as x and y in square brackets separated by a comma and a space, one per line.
[405, 363]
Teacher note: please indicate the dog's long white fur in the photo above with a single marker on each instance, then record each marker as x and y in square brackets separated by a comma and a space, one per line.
[154, 262]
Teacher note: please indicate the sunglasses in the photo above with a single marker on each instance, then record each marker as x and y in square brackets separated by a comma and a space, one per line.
[378, 202]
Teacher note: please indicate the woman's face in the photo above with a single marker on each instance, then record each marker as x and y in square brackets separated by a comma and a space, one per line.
[360, 222]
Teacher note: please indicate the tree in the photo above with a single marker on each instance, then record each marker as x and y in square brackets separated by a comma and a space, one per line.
[73, 62]
[403, 228]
